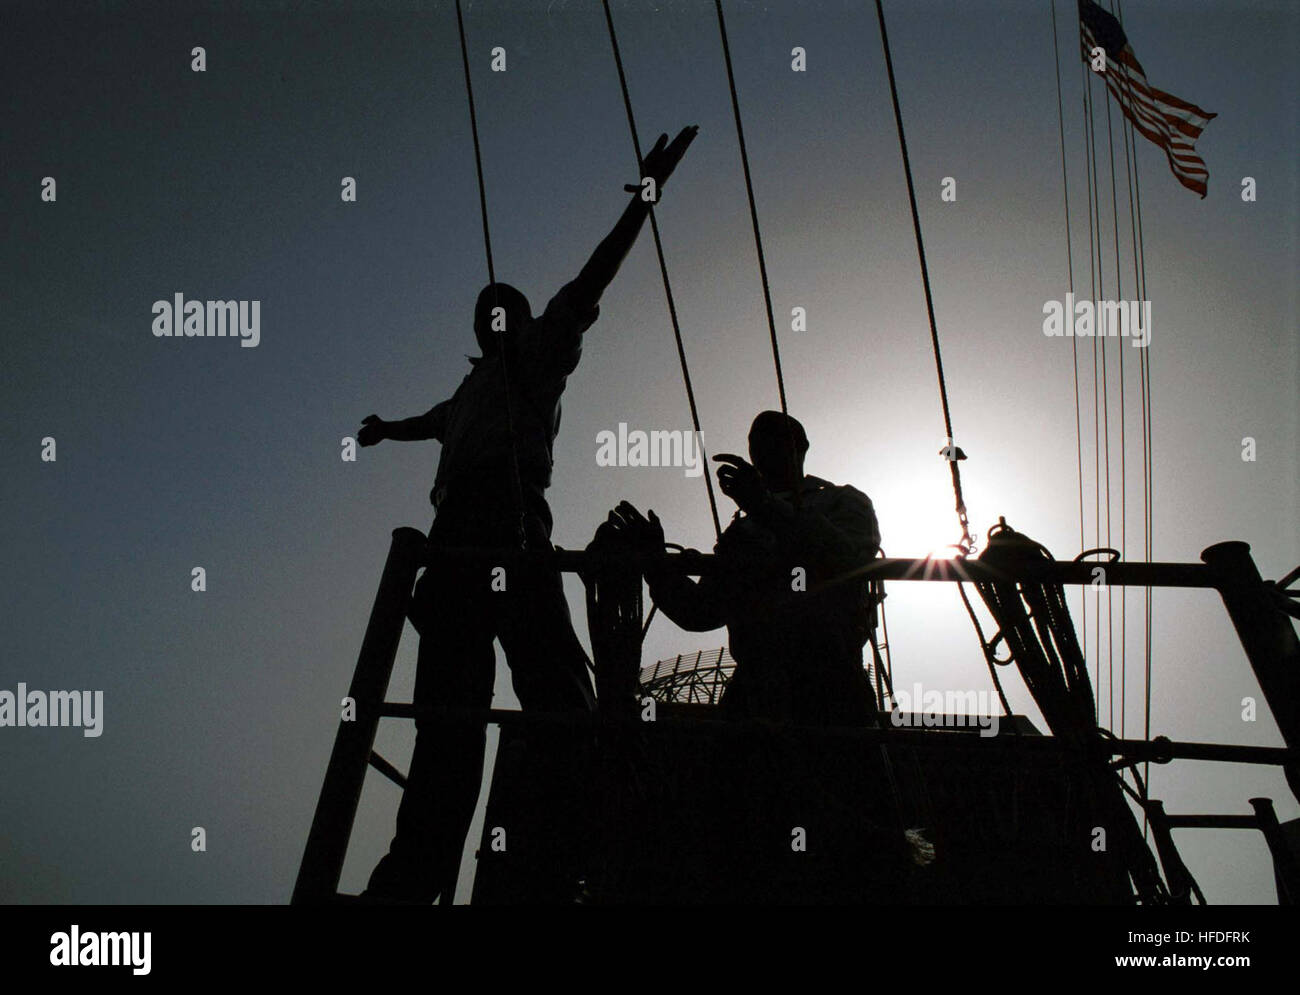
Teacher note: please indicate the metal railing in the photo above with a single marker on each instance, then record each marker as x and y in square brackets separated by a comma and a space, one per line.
[1266, 634]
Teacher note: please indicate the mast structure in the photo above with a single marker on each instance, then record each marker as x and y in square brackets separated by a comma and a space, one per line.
[1022, 594]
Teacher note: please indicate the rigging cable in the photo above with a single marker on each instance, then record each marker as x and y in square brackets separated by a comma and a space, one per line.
[668, 291]
[1096, 280]
[1119, 297]
[1123, 432]
[753, 210]
[758, 239]
[1069, 260]
[953, 454]
[1133, 188]
[951, 451]
[492, 281]
[1148, 456]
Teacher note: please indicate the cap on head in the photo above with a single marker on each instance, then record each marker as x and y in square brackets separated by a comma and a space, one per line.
[776, 441]
[516, 312]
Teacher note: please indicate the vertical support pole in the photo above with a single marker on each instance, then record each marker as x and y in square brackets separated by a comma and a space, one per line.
[1285, 870]
[327, 843]
[1177, 876]
[1267, 636]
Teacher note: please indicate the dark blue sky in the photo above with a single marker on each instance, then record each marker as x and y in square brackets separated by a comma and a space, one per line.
[221, 706]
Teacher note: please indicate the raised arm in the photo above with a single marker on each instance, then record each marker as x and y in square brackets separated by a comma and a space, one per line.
[657, 165]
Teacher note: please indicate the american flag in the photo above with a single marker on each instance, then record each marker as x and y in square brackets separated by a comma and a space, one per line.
[1171, 123]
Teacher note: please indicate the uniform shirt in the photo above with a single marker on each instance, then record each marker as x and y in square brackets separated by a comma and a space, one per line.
[833, 531]
[799, 652]
[472, 424]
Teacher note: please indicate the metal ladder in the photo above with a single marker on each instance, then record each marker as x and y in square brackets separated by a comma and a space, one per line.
[336, 809]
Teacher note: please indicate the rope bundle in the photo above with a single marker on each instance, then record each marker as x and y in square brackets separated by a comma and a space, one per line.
[1039, 634]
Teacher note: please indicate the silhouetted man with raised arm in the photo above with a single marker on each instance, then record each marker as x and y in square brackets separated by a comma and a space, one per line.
[497, 432]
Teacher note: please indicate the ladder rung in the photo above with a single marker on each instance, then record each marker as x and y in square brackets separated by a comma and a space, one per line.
[387, 769]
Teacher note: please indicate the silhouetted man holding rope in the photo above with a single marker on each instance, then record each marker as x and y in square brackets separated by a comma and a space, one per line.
[786, 583]
[797, 615]
[497, 432]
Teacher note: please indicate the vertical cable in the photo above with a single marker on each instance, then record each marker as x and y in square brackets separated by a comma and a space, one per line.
[492, 281]
[967, 542]
[753, 210]
[1148, 453]
[1069, 261]
[758, 241]
[663, 270]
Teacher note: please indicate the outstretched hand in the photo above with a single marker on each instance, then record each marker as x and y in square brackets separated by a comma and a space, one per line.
[740, 481]
[661, 160]
[644, 535]
[371, 431]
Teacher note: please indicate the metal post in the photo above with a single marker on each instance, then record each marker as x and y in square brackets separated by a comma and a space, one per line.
[1285, 871]
[327, 844]
[1177, 877]
[1268, 637]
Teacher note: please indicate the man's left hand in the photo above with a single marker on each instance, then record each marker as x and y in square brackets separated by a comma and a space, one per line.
[645, 535]
[741, 482]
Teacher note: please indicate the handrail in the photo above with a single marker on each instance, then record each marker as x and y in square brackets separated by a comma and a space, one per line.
[1155, 574]
[1266, 635]
[1158, 750]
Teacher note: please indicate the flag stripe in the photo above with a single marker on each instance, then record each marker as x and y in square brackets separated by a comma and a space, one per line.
[1192, 119]
[1169, 122]
[1155, 120]
[1154, 97]
[1183, 163]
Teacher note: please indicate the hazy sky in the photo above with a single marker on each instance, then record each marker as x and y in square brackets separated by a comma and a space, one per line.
[221, 707]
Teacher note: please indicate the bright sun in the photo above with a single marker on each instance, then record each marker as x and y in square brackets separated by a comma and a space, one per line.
[913, 500]
[916, 524]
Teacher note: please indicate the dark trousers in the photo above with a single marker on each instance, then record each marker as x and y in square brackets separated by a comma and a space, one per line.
[832, 790]
[459, 614]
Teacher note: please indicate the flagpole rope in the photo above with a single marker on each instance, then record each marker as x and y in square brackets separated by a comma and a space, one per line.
[1171, 124]
[1069, 257]
[1090, 158]
[1100, 393]
[1099, 27]
[1119, 296]
[1148, 455]
[1123, 431]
